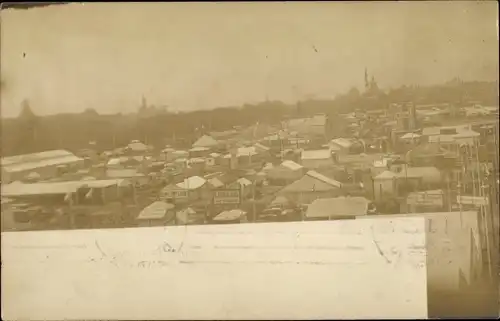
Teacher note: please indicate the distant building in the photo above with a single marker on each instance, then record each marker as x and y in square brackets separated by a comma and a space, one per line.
[341, 145]
[156, 214]
[385, 185]
[313, 159]
[287, 172]
[337, 208]
[310, 187]
[451, 136]
[131, 174]
[313, 126]
[431, 154]
[193, 188]
[137, 147]
[404, 115]
[74, 192]
[46, 164]
[199, 152]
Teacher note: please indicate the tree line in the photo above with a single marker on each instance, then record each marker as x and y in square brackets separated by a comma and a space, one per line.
[157, 126]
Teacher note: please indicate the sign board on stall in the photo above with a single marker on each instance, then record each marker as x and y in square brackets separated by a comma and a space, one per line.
[434, 198]
[472, 200]
[227, 196]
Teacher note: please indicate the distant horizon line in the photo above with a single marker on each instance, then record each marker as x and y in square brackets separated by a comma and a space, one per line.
[310, 97]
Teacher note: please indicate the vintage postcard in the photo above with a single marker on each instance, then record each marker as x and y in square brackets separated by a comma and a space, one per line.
[249, 160]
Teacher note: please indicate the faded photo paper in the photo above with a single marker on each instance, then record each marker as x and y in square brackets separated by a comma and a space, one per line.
[249, 161]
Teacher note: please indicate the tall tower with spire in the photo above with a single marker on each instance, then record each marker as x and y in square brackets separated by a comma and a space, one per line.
[367, 85]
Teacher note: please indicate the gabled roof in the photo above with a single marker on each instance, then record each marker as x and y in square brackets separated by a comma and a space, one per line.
[244, 181]
[205, 141]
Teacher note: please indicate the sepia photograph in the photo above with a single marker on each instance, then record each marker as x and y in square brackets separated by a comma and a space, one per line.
[249, 160]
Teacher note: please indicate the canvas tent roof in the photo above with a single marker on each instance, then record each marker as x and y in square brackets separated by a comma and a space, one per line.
[154, 211]
[231, 215]
[205, 141]
[193, 182]
[137, 146]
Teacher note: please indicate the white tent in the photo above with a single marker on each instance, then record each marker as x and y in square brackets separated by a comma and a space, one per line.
[205, 141]
[156, 210]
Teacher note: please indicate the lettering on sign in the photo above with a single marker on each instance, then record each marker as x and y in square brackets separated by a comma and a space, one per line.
[425, 199]
[227, 197]
[472, 200]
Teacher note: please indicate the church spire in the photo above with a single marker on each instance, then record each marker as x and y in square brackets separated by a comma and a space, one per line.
[367, 85]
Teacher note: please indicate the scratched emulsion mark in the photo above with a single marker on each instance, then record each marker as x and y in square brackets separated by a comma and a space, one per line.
[379, 250]
[50, 247]
[306, 248]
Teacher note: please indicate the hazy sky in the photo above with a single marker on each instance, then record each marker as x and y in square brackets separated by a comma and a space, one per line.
[203, 55]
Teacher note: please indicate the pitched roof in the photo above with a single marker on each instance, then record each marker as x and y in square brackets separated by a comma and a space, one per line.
[205, 141]
[14, 166]
[192, 182]
[34, 157]
[244, 181]
[316, 154]
[280, 200]
[312, 181]
[215, 182]
[324, 178]
[342, 142]
[137, 146]
[262, 147]
[386, 175]
[156, 210]
[338, 206]
[291, 165]
[231, 215]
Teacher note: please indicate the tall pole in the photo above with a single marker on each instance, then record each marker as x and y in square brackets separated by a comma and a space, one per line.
[254, 215]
